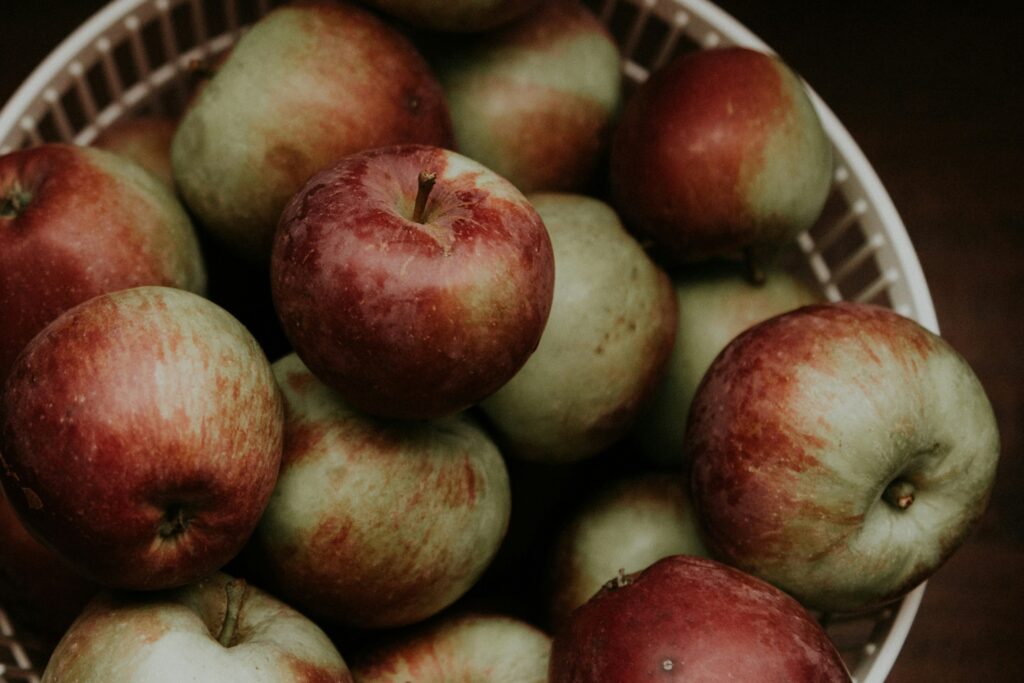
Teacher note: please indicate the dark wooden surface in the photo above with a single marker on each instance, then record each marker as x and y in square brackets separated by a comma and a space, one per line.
[932, 94]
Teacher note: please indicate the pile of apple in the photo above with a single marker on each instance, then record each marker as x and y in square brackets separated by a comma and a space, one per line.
[521, 393]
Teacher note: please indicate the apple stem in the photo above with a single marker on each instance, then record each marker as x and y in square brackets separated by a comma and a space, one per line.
[899, 493]
[14, 202]
[426, 181]
[755, 273]
[235, 591]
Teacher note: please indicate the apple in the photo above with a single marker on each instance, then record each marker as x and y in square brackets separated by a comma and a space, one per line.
[622, 527]
[307, 84]
[141, 436]
[216, 629]
[693, 619]
[461, 647]
[412, 280]
[534, 100]
[841, 452]
[607, 340]
[716, 301]
[146, 140]
[377, 523]
[463, 16]
[720, 151]
[40, 592]
[76, 222]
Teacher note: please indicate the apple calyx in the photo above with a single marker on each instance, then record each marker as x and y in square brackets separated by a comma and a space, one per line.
[174, 523]
[899, 494]
[14, 202]
[235, 591]
[426, 184]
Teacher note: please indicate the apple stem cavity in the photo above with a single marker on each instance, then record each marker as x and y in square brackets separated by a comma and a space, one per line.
[235, 592]
[14, 202]
[899, 493]
[426, 182]
[174, 523]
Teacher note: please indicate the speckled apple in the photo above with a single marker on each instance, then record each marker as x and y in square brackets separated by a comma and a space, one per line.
[146, 140]
[457, 16]
[307, 84]
[77, 222]
[841, 452]
[412, 280]
[377, 523]
[607, 340]
[534, 101]
[141, 436]
[719, 151]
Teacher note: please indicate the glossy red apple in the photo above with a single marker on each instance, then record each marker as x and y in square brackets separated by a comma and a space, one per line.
[146, 140]
[76, 222]
[377, 523]
[841, 452]
[141, 437]
[720, 150]
[412, 280]
[691, 619]
[217, 629]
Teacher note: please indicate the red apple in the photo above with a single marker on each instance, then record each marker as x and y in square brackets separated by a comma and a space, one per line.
[217, 629]
[841, 452]
[76, 222]
[412, 302]
[307, 84]
[141, 437]
[377, 523]
[463, 16]
[718, 151]
[692, 619]
[146, 140]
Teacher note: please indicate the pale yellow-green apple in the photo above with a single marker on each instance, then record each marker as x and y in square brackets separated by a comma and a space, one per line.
[140, 437]
[605, 346]
[716, 301]
[692, 619]
[460, 647]
[622, 527]
[146, 140]
[76, 222]
[217, 629]
[377, 523]
[307, 84]
[457, 16]
[534, 101]
[841, 452]
[412, 280]
[720, 151]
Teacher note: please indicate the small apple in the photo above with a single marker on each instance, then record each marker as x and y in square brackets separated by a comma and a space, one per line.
[76, 222]
[693, 619]
[607, 340]
[307, 84]
[217, 629]
[377, 523]
[461, 647]
[534, 100]
[140, 437]
[716, 301]
[841, 452]
[412, 280]
[719, 151]
[146, 140]
[621, 528]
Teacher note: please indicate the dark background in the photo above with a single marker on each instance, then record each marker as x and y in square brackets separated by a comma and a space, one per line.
[931, 92]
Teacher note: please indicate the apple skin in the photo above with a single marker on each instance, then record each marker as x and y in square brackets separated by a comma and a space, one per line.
[606, 344]
[457, 16]
[716, 301]
[172, 636]
[624, 526]
[76, 222]
[146, 140]
[141, 437]
[377, 523]
[308, 84]
[534, 101]
[461, 647]
[805, 436]
[720, 150]
[408, 319]
[693, 619]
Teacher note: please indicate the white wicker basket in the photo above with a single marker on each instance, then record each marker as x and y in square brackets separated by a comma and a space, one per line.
[136, 55]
